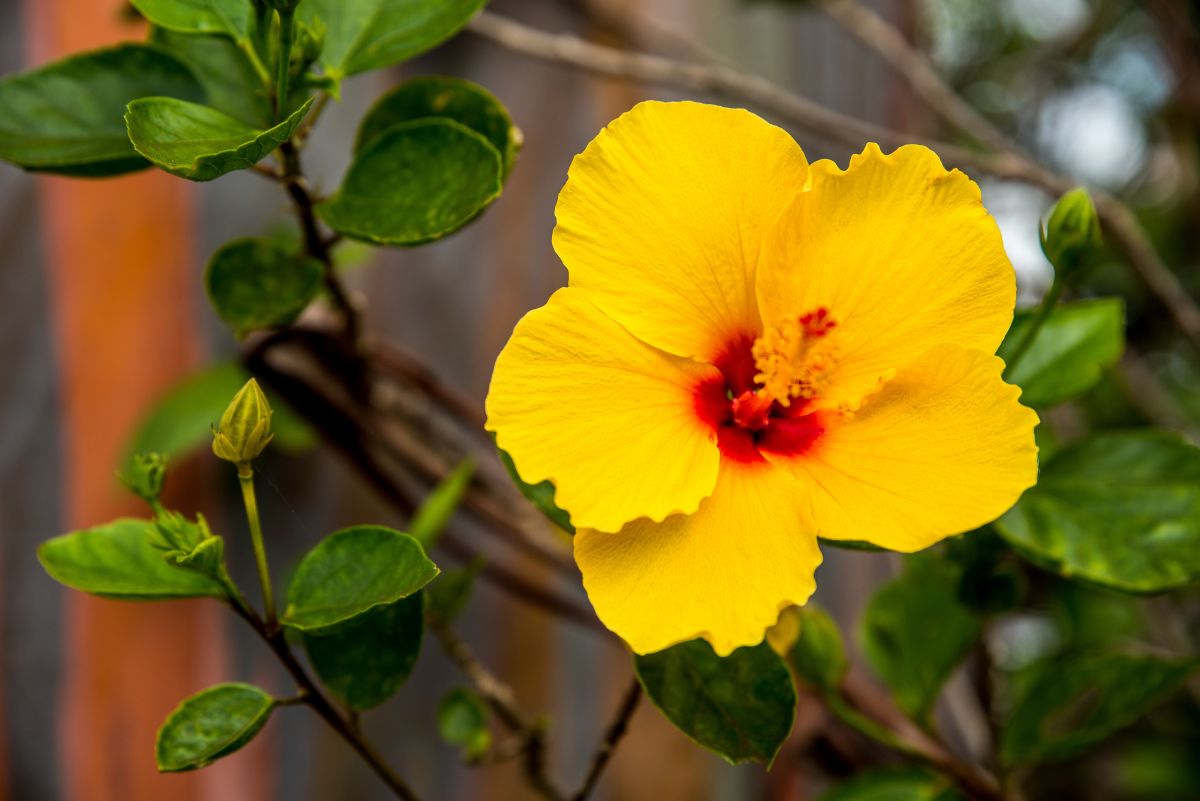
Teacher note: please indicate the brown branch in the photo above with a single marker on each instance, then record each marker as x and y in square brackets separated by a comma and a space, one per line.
[311, 694]
[612, 736]
[503, 702]
[1119, 222]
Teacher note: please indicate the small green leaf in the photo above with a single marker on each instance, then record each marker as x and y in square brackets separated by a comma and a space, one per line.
[818, 656]
[451, 98]
[463, 721]
[181, 420]
[1120, 509]
[894, 784]
[741, 706]
[200, 143]
[447, 596]
[211, 724]
[231, 17]
[230, 81]
[365, 661]
[1078, 343]
[418, 182]
[540, 495]
[353, 571]
[1068, 705]
[253, 283]
[363, 35]
[433, 515]
[65, 117]
[915, 631]
[119, 561]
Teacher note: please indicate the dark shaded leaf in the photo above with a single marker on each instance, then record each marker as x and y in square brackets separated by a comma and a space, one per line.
[252, 284]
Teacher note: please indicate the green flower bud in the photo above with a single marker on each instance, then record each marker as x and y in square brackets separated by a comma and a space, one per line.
[145, 476]
[1070, 231]
[245, 428]
[177, 533]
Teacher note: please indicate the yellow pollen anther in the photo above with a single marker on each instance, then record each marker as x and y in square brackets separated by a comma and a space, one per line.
[794, 357]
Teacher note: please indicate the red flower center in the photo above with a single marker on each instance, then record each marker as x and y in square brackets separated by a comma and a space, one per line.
[747, 421]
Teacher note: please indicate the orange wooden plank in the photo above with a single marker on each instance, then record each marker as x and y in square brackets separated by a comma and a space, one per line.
[120, 256]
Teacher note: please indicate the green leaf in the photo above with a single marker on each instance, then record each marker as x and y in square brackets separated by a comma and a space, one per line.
[1078, 343]
[1121, 510]
[253, 283]
[230, 17]
[447, 596]
[540, 495]
[433, 515]
[211, 724]
[363, 35]
[418, 182]
[451, 98]
[894, 784]
[915, 631]
[365, 661]
[818, 655]
[353, 571]
[741, 706]
[230, 81]
[463, 721]
[181, 419]
[1068, 705]
[200, 143]
[119, 561]
[65, 117]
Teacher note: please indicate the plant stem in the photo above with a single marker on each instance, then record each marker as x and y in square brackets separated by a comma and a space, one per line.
[608, 746]
[287, 36]
[315, 698]
[1048, 304]
[246, 479]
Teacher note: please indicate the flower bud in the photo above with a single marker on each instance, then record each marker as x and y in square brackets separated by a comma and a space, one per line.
[145, 475]
[245, 428]
[1070, 231]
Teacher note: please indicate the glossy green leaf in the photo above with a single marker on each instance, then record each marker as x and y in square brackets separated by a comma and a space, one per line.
[1078, 343]
[363, 35]
[741, 706]
[447, 596]
[895, 784]
[915, 631]
[353, 571]
[452, 98]
[463, 721]
[252, 283]
[119, 561]
[181, 420]
[1121, 510]
[365, 661]
[65, 117]
[540, 495]
[818, 655]
[231, 17]
[230, 81]
[435, 512]
[415, 183]
[1068, 705]
[200, 143]
[211, 724]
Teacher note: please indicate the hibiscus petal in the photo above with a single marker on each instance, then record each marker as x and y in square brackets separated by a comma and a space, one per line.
[723, 573]
[578, 400]
[662, 218]
[942, 448]
[903, 255]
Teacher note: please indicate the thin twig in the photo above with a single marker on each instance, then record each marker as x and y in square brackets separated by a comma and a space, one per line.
[503, 702]
[1118, 220]
[312, 695]
[608, 746]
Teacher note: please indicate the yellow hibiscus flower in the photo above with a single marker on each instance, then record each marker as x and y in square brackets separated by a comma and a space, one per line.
[753, 351]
